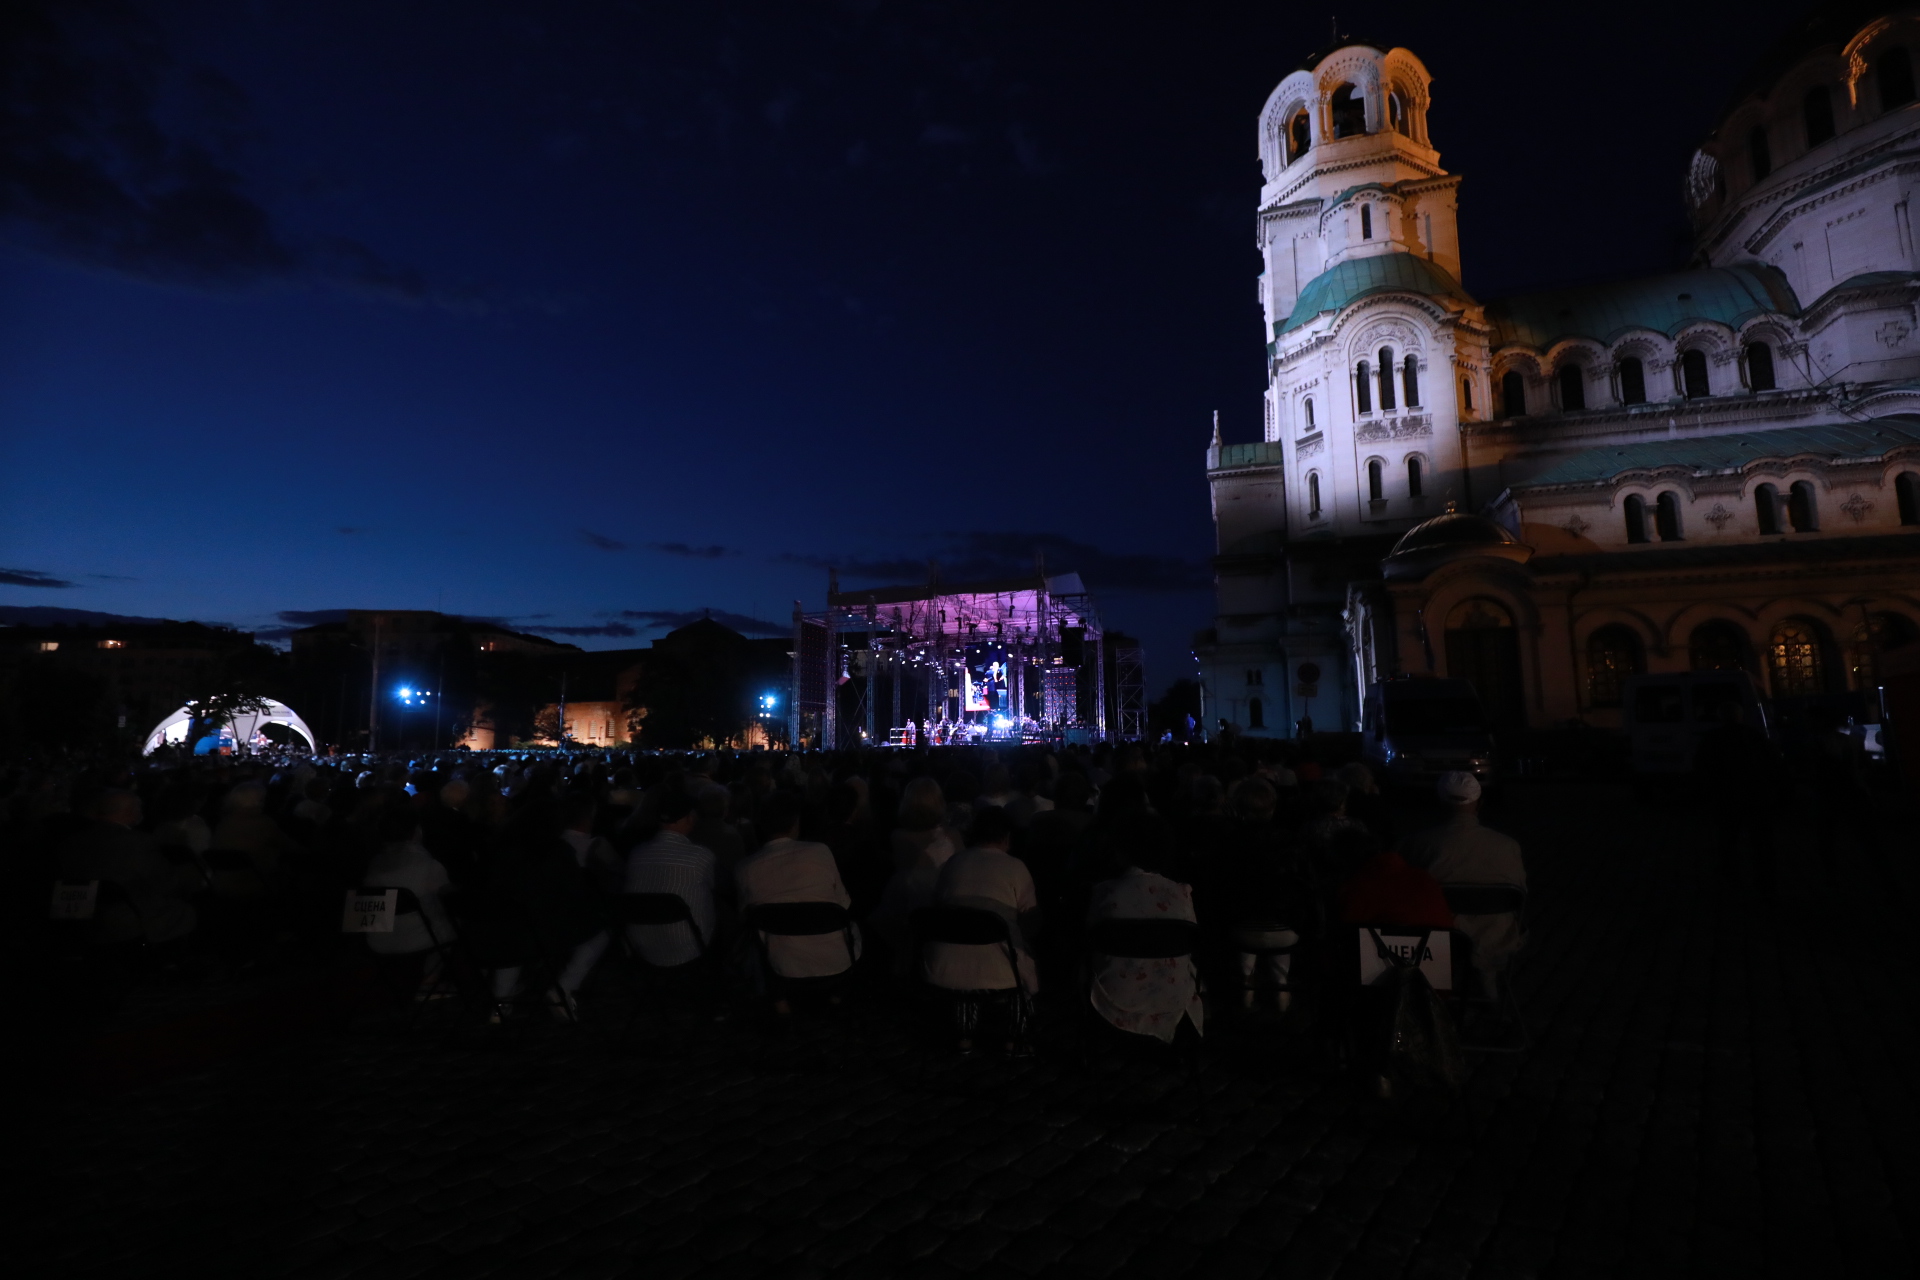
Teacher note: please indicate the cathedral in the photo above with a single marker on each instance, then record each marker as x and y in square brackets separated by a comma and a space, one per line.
[1717, 467]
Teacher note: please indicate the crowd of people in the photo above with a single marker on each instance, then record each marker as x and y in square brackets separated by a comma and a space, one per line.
[519, 866]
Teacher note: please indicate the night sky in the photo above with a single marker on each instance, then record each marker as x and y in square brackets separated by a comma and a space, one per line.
[589, 317]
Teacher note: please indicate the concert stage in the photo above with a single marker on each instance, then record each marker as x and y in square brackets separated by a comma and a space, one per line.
[1015, 660]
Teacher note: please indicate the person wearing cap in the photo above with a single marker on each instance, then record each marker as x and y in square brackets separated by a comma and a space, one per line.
[1461, 851]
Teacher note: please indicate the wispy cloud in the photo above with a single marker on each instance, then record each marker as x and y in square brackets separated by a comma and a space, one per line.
[673, 619]
[691, 552]
[601, 541]
[596, 629]
[980, 555]
[32, 578]
[350, 530]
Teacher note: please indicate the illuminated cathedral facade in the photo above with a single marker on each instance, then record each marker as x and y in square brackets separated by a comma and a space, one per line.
[1546, 494]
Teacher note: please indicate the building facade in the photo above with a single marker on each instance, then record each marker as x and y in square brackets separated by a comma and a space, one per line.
[1718, 466]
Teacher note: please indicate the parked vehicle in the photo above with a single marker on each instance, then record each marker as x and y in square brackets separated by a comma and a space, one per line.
[1416, 728]
[1666, 715]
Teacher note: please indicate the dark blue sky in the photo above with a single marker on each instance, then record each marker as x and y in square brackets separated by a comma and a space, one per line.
[585, 316]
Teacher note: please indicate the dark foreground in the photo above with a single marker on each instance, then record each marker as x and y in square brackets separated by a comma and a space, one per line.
[1716, 1085]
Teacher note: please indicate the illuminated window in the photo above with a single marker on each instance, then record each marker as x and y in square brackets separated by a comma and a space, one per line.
[1760, 366]
[1816, 112]
[1798, 666]
[1613, 654]
[112, 644]
[49, 646]
[1633, 382]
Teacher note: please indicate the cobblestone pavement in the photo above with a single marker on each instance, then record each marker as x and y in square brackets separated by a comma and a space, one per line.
[1714, 1086]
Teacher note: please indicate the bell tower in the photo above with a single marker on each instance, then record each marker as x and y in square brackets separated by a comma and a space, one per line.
[1350, 171]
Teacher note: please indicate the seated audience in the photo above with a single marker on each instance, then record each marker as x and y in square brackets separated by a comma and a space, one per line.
[985, 875]
[110, 848]
[672, 863]
[787, 869]
[404, 863]
[1147, 997]
[1461, 851]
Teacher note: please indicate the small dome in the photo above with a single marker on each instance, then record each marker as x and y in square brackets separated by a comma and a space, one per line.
[1451, 536]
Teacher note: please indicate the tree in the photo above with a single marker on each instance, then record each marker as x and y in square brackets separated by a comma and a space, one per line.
[210, 713]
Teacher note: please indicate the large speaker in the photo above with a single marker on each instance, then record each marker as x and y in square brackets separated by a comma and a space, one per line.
[1073, 645]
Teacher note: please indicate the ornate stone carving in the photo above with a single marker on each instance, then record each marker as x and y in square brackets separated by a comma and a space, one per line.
[1857, 508]
[1701, 177]
[1576, 527]
[1414, 424]
[1310, 446]
[1892, 333]
[1373, 431]
[1719, 516]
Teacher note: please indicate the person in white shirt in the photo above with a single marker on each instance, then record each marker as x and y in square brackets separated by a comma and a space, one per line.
[1145, 997]
[985, 875]
[787, 869]
[404, 863]
[673, 863]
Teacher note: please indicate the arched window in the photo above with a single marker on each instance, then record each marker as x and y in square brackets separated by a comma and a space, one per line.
[1466, 393]
[1313, 494]
[1633, 382]
[1513, 390]
[1718, 645]
[1306, 407]
[1896, 78]
[1386, 379]
[1349, 112]
[1299, 136]
[1802, 513]
[1483, 648]
[1766, 508]
[1362, 389]
[1256, 714]
[1366, 222]
[1666, 516]
[1573, 387]
[1759, 155]
[1693, 373]
[1396, 114]
[1613, 655]
[1796, 660]
[1414, 477]
[1410, 381]
[1816, 112]
[1760, 366]
[1881, 632]
[1636, 510]
[1376, 480]
[1906, 495]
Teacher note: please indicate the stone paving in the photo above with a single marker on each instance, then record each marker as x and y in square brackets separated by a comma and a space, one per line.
[1715, 1086]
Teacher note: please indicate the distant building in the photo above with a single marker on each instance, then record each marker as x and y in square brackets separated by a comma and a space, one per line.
[139, 672]
[1717, 467]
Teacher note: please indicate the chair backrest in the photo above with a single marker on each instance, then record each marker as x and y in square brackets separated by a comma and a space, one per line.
[1484, 899]
[1435, 960]
[652, 908]
[1143, 939]
[798, 919]
[961, 926]
[404, 904]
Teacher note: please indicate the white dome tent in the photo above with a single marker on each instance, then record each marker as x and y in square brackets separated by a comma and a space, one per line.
[244, 728]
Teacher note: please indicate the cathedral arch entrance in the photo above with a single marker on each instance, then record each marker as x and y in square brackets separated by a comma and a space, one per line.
[1483, 648]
